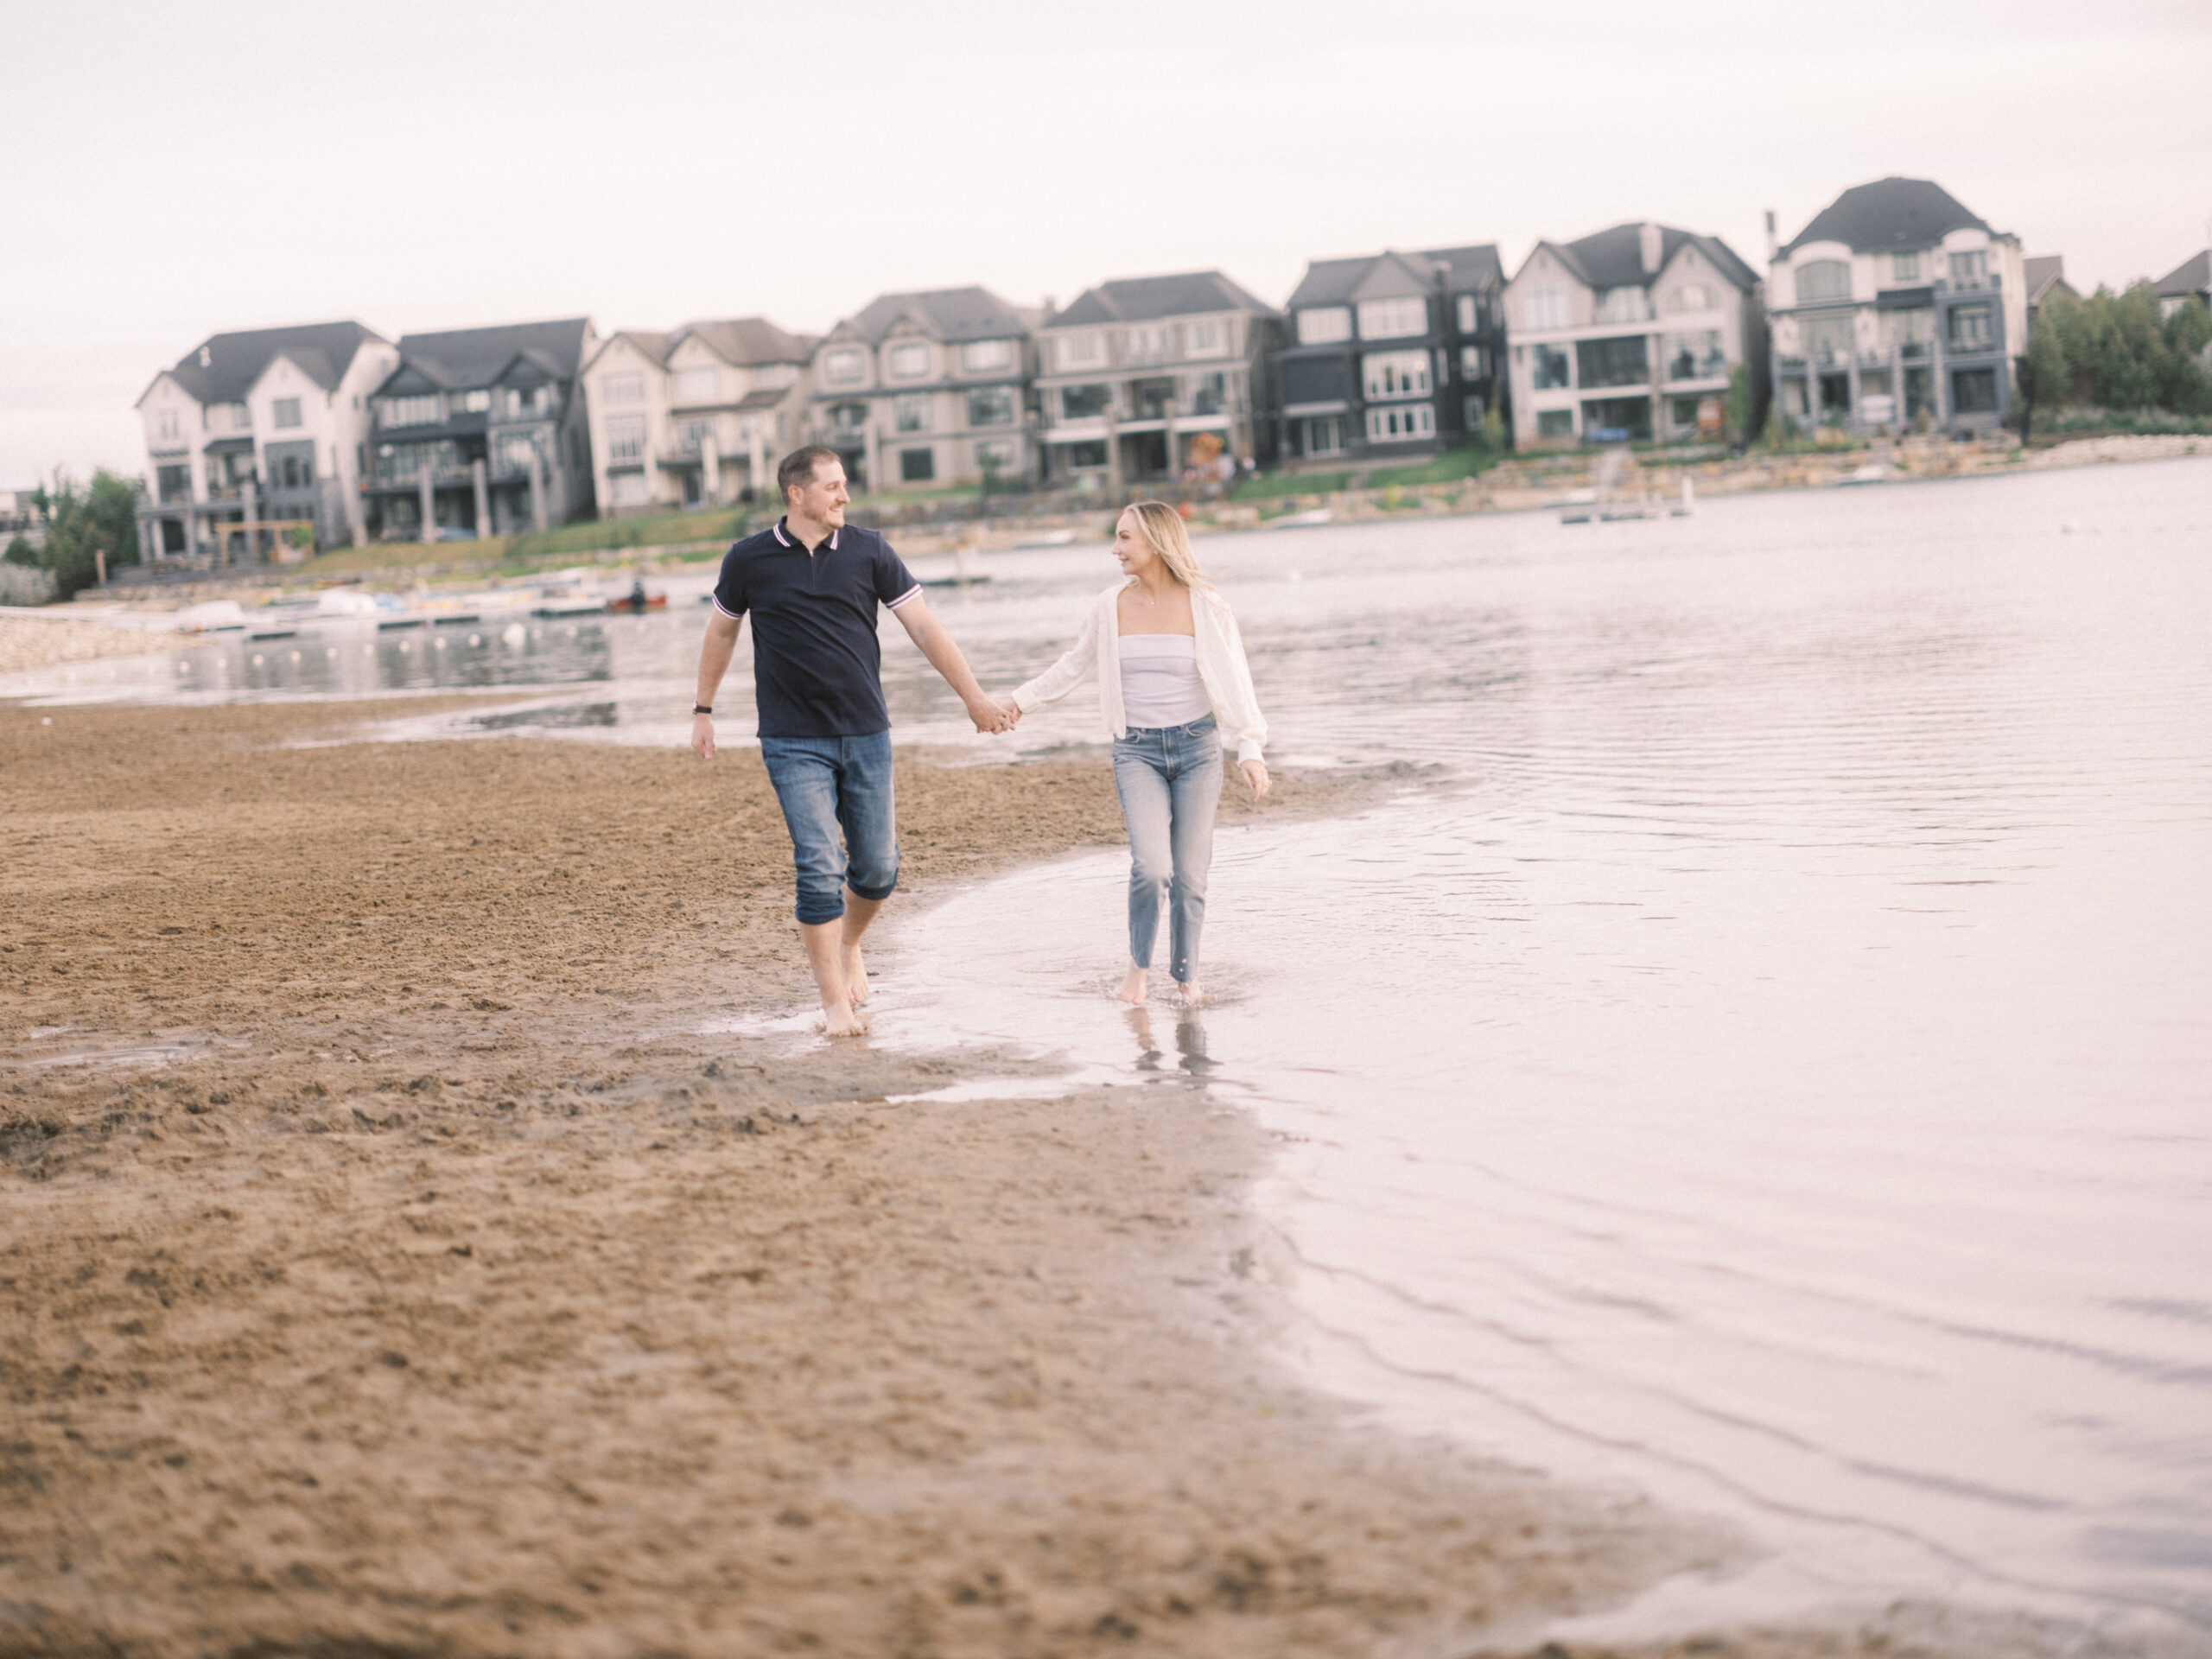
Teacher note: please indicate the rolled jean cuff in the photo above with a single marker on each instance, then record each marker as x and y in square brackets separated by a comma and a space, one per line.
[870, 892]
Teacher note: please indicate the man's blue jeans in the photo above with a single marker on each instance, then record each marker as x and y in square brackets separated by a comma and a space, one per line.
[828, 785]
[1169, 778]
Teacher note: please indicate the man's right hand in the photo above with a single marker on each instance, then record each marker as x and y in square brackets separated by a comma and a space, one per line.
[703, 736]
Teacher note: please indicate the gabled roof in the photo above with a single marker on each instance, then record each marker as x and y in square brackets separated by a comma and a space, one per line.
[951, 314]
[2042, 272]
[1888, 214]
[2192, 276]
[222, 368]
[1339, 282]
[1148, 299]
[652, 347]
[744, 341]
[465, 359]
[1613, 257]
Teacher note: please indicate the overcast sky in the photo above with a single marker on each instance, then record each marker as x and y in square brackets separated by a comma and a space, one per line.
[168, 171]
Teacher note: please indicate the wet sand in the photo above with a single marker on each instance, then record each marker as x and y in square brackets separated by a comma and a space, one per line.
[387, 1266]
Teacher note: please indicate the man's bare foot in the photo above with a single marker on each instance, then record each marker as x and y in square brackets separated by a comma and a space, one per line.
[844, 1020]
[1134, 987]
[1192, 997]
[856, 985]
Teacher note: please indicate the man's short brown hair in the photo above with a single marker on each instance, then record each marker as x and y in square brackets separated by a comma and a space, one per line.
[797, 469]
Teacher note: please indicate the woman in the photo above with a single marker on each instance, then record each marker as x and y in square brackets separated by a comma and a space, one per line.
[1172, 683]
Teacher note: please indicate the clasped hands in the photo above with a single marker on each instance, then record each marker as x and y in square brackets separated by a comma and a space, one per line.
[994, 718]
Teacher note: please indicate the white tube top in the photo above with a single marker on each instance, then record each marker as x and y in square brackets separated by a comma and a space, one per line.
[1159, 680]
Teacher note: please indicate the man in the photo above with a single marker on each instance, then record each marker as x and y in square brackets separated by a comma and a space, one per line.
[811, 584]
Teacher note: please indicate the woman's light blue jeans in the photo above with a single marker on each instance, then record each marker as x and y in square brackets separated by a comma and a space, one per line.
[1169, 778]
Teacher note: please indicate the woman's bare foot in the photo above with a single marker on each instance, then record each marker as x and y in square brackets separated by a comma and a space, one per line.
[1192, 996]
[1134, 987]
[856, 985]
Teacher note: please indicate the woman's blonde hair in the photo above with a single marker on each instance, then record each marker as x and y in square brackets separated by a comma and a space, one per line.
[1161, 526]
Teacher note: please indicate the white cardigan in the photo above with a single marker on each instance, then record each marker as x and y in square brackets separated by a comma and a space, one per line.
[1222, 667]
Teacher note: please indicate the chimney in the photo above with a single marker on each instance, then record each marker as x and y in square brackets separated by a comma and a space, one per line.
[1773, 242]
[1650, 244]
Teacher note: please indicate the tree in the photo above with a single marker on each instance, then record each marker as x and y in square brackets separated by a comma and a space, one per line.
[2044, 377]
[1739, 412]
[81, 521]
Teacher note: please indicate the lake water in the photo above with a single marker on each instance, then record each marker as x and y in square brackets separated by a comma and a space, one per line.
[1763, 1058]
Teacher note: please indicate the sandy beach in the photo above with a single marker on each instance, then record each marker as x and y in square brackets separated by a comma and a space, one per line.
[386, 1263]
[389, 1264]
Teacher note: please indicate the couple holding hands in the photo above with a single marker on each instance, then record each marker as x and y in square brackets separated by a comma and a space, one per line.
[1173, 684]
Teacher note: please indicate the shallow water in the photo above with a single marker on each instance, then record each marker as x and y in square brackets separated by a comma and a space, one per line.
[1763, 1060]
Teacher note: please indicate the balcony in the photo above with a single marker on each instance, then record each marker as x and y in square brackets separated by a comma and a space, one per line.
[1988, 282]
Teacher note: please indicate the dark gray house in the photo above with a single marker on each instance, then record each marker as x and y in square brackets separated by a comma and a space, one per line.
[1149, 379]
[481, 432]
[1390, 355]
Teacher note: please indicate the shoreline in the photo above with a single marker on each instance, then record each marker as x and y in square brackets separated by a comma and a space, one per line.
[454, 1288]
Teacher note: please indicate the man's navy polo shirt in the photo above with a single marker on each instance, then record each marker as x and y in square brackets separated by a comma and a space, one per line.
[817, 668]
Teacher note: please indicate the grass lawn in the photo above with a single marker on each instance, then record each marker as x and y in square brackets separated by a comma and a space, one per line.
[1272, 486]
[1449, 468]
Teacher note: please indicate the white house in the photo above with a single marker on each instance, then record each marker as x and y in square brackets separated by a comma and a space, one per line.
[695, 418]
[918, 390]
[1894, 304]
[267, 428]
[1632, 332]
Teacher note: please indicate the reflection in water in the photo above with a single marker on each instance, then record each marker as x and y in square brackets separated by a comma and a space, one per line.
[1190, 1043]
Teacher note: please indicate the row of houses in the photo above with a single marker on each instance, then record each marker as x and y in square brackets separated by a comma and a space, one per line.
[1896, 305]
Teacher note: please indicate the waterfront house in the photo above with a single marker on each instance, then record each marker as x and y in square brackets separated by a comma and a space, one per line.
[1630, 333]
[19, 516]
[915, 391]
[1896, 307]
[1390, 356]
[2044, 275]
[254, 434]
[1143, 379]
[2189, 280]
[695, 418]
[481, 432]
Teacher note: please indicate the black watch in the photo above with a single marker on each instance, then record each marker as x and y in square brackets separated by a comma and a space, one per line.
[702, 708]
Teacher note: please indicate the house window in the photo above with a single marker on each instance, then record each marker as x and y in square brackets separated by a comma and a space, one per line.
[621, 390]
[849, 417]
[1209, 393]
[421, 411]
[514, 450]
[993, 457]
[1089, 452]
[908, 362]
[845, 366]
[625, 438]
[242, 418]
[1904, 267]
[175, 483]
[698, 385]
[1969, 269]
[1398, 424]
[1549, 369]
[1823, 279]
[285, 411]
[912, 412]
[1684, 411]
[1325, 435]
[992, 406]
[1081, 351]
[1973, 391]
[475, 403]
[1471, 414]
[1085, 403]
[1395, 374]
[1148, 343]
[1470, 314]
[1555, 423]
[986, 356]
[1544, 308]
[165, 429]
[1972, 328]
[1908, 333]
[1688, 297]
[1695, 357]
[1628, 303]
[1323, 325]
[1393, 319]
[1622, 362]
[1474, 363]
[917, 466]
[1204, 338]
[1827, 338]
[522, 401]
